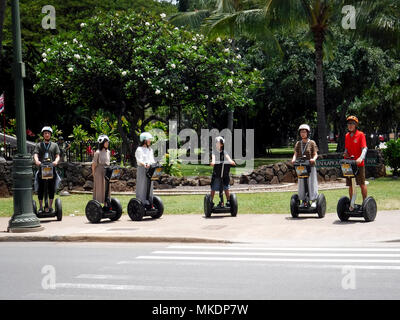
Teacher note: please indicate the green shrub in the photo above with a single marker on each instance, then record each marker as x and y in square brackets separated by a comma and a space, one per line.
[392, 155]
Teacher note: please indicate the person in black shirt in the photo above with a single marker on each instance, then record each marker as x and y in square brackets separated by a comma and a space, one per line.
[217, 176]
[46, 151]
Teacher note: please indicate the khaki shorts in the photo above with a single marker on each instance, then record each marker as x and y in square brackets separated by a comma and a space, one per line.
[360, 177]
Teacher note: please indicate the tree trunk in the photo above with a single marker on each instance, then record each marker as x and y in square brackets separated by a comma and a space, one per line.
[3, 4]
[230, 120]
[319, 77]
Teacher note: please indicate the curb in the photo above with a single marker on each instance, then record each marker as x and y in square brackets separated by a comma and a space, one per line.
[94, 238]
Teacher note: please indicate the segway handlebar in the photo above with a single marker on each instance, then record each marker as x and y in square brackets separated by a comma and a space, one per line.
[155, 168]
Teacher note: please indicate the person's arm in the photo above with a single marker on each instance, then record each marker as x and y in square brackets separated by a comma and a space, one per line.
[36, 158]
[55, 162]
[212, 164]
[94, 162]
[228, 158]
[315, 153]
[364, 149]
[294, 154]
[363, 154]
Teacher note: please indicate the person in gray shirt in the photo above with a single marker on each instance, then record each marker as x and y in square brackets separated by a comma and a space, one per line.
[46, 151]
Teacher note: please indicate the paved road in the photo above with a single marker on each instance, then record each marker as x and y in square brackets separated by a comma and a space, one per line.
[197, 271]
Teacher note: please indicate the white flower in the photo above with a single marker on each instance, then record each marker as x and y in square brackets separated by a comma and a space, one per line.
[218, 39]
[232, 72]
[83, 25]
[136, 70]
[75, 41]
[48, 50]
[255, 69]
[226, 50]
[230, 40]
[238, 56]
[194, 47]
[163, 15]
[173, 66]
[240, 81]
[123, 73]
[44, 60]
[167, 81]
[148, 82]
[230, 81]
[147, 23]
[65, 43]
[158, 91]
[226, 61]
[206, 96]
[77, 56]
[70, 69]
[172, 95]
[44, 55]
[81, 45]
[186, 88]
[89, 57]
[110, 61]
[176, 28]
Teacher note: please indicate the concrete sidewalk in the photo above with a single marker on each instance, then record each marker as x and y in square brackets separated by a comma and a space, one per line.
[245, 228]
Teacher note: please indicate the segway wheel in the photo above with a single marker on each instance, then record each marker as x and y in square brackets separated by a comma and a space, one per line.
[58, 207]
[94, 211]
[207, 205]
[135, 210]
[234, 204]
[369, 209]
[321, 205]
[116, 206]
[294, 205]
[343, 207]
[34, 207]
[158, 204]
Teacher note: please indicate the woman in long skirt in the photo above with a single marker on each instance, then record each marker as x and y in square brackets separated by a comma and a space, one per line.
[101, 159]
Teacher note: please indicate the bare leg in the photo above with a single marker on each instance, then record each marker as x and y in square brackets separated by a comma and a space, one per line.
[50, 203]
[364, 191]
[212, 195]
[40, 204]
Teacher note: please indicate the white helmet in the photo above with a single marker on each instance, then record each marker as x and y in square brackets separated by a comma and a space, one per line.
[145, 136]
[304, 126]
[47, 128]
[220, 139]
[102, 138]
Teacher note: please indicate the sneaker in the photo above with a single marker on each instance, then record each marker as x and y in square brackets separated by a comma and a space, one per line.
[313, 204]
[228, 204]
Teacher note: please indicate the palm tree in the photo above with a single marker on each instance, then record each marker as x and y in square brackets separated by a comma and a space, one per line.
[3, 4]
[318, 15]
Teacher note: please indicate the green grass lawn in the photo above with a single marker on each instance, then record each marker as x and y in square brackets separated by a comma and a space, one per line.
[384, 190]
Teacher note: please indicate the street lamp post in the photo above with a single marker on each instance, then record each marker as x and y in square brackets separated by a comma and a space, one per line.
[23, 219]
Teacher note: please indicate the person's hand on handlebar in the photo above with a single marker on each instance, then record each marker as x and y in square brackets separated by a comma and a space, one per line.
[233, 163]
[358, 161]
[146, 165]
[312, 161]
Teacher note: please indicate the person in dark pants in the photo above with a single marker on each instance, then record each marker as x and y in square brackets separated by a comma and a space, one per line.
[46, 151]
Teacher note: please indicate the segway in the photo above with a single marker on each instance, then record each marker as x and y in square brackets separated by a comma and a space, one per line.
[153, 206]
[367, 209]
[95, 211]
[47, 173]
[232, 208]
[303, 169]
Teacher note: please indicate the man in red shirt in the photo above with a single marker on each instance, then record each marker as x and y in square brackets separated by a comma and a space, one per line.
[356, 146]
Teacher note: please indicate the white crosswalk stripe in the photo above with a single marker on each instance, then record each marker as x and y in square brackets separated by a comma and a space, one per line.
[367, 258]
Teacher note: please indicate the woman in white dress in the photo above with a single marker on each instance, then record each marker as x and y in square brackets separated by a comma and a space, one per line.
[144, 158]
